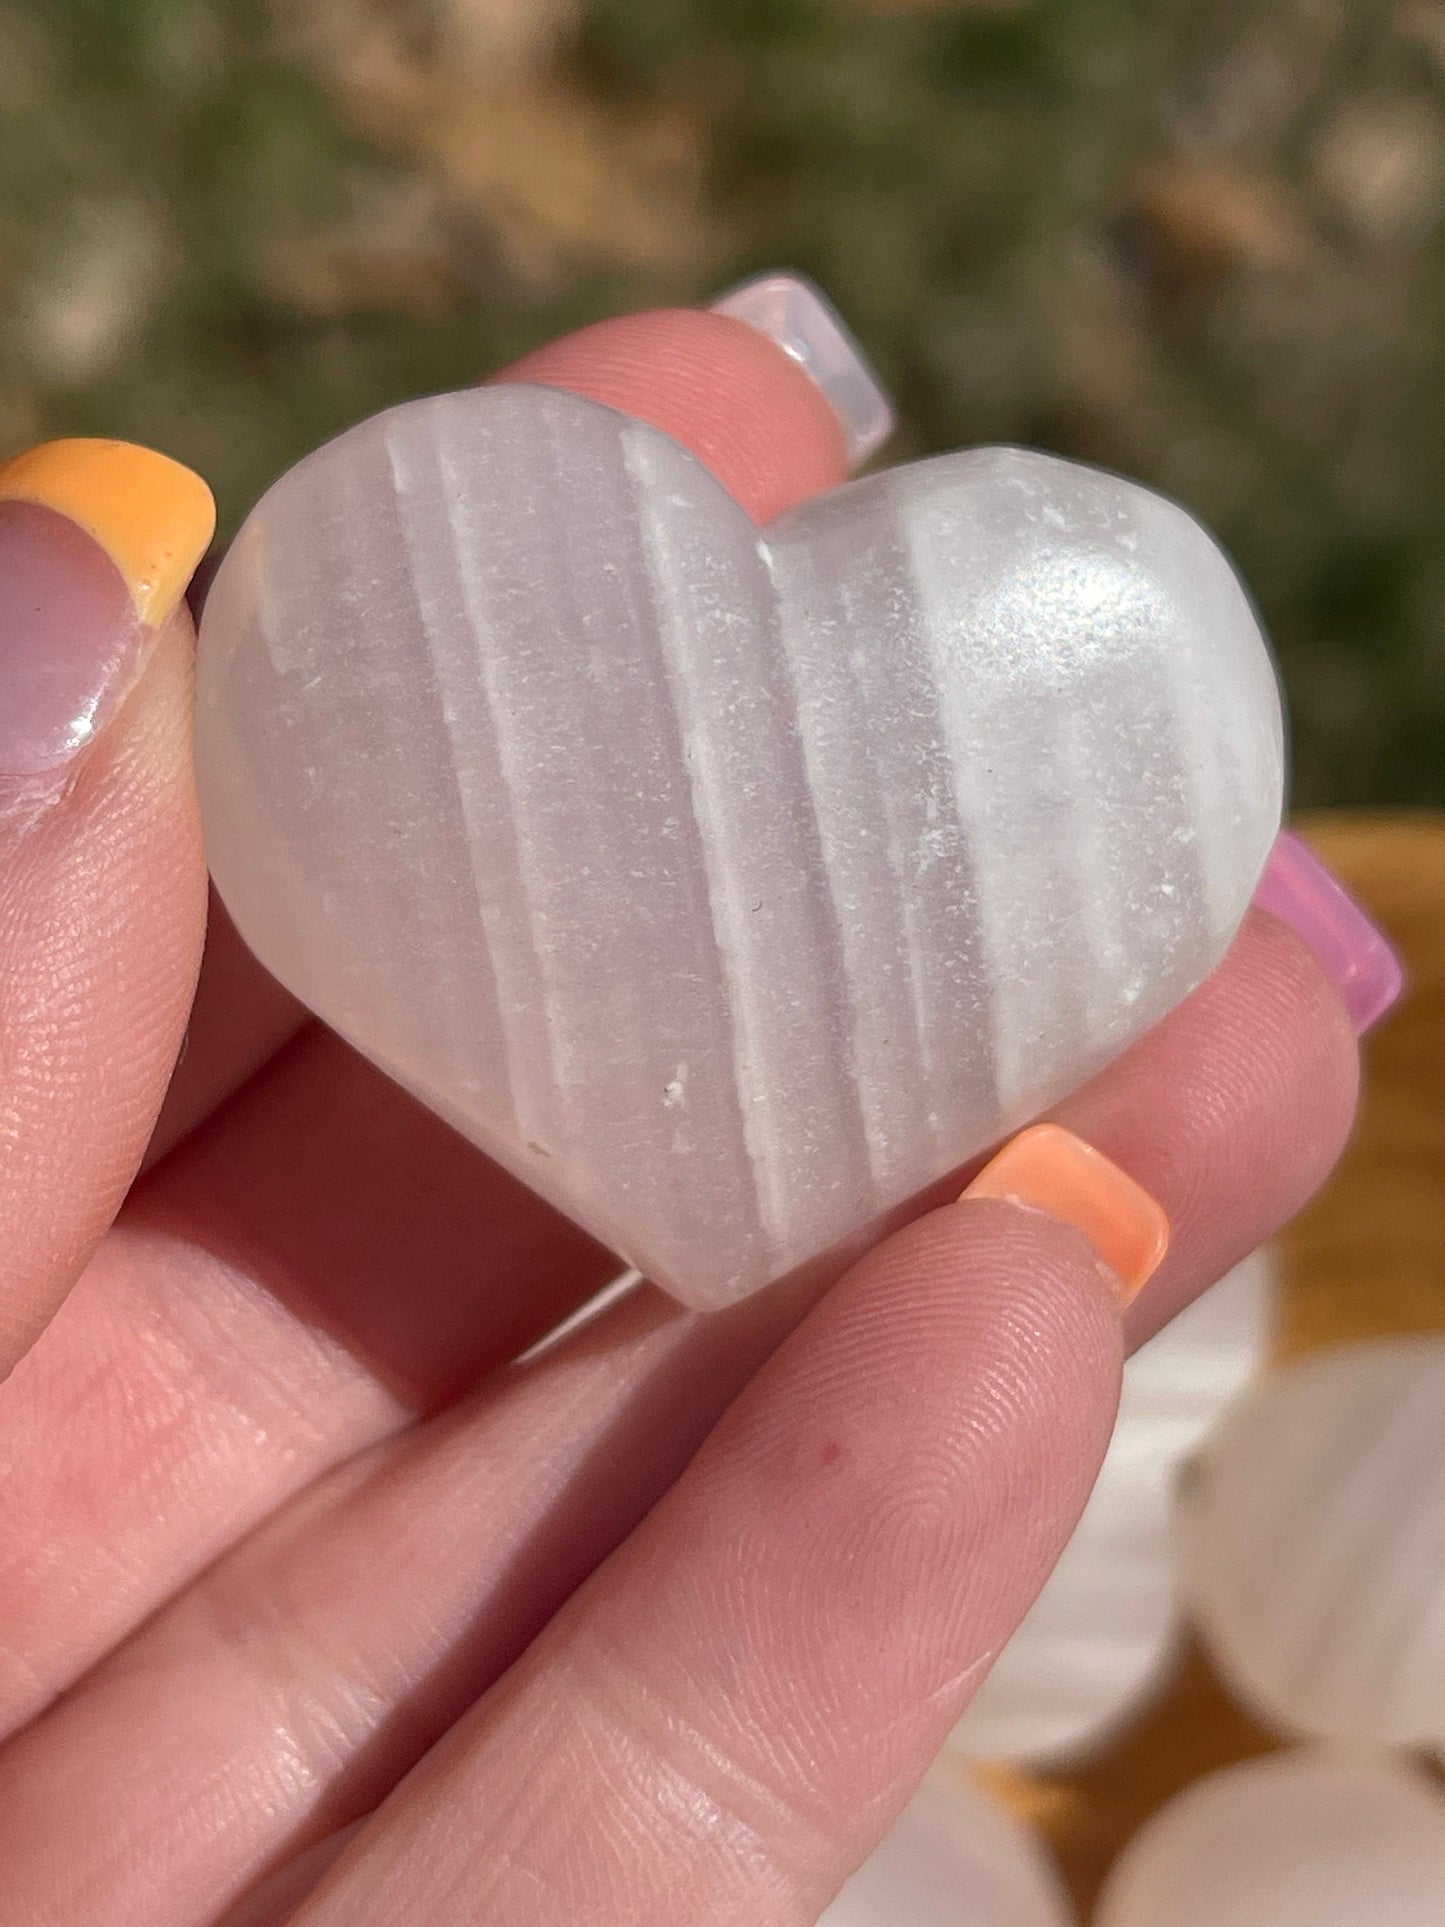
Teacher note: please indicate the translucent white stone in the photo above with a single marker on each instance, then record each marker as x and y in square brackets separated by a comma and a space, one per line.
[1309, 1839]
[729, 887]
[955, 1858]
[1102, 1636]
[1313, 1539]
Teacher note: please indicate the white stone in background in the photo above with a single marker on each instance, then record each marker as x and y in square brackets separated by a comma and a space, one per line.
[1309, 1839]
[1313, 1540]
[1103, 1634]
[727, 887]
[955, 1858]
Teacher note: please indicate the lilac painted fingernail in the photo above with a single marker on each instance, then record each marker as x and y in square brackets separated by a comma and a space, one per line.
[1302, 892]
[806, 326]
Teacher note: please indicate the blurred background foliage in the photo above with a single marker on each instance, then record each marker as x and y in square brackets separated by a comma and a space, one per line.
[1201, 244]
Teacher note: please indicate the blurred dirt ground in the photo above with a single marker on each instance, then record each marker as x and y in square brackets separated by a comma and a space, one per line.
[1205, 245]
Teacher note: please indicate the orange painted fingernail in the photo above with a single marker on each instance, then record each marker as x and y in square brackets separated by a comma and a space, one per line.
[153, 517]
[97, 543]
[1048, 1169]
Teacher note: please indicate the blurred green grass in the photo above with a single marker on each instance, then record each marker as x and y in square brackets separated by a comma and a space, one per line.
[1202, 245]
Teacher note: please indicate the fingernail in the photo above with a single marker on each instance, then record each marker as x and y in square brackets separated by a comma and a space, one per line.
[1048, 1169]
[97, 542]
[806, 325]
[1302, 892]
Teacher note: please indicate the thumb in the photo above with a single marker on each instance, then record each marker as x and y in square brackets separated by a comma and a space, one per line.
[102, 879]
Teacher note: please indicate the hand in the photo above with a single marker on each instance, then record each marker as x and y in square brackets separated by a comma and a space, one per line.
[316, 1607]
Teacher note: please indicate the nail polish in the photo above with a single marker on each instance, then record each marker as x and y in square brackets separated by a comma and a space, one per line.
[1048, 1169]
[807, 327]
[97, 541]
[1304, 893]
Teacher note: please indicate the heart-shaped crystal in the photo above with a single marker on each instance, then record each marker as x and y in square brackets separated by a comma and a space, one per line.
[729, 886]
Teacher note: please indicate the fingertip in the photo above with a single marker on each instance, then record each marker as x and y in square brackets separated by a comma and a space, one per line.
[1286, 969]
[720, 387]
[984, 1294]
[793, 312]
[1050, 1170]
[151, 516]
[1301, 890]
[875, 1513]
[1233, 1112]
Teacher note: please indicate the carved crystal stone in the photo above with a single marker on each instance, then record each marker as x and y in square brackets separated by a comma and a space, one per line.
[727, 885]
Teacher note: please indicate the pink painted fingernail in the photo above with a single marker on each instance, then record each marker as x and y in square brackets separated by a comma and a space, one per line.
[809, 329]
[1302, 892]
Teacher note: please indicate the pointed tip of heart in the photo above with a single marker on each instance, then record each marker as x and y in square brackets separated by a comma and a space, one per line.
[807, 327]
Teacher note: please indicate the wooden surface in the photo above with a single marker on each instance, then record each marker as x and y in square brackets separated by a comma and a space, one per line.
[1367, 1258]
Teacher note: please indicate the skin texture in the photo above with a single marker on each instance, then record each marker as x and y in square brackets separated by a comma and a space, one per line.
[316, 1606]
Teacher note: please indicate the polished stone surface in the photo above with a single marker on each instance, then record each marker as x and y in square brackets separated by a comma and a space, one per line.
[727, 886]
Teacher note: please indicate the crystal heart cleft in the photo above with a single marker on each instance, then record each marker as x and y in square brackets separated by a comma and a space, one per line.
[728, 886]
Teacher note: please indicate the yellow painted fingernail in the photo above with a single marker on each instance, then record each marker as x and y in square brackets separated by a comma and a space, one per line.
[97, 543]
[153, 517]
[1048, 1169]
